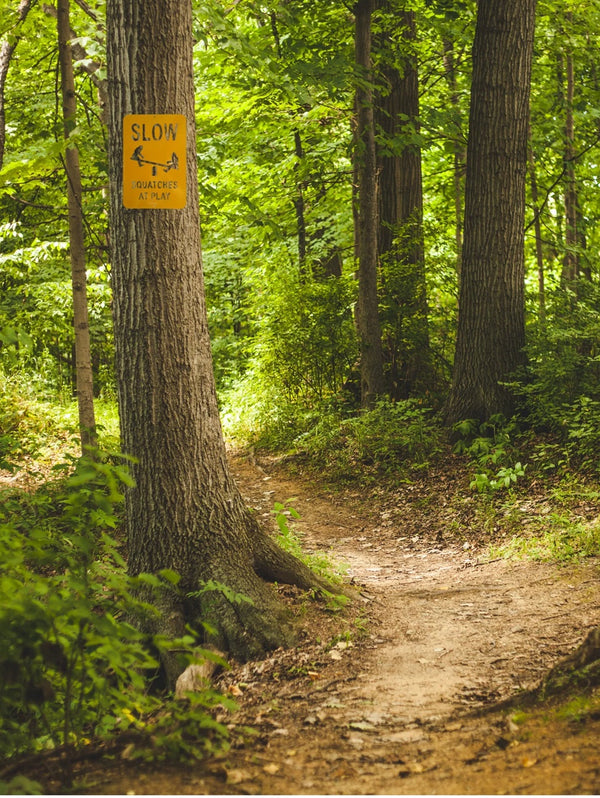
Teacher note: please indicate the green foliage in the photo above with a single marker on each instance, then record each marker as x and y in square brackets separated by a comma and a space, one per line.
[35, 283]
[391, 438]
[560, 393]
[255, 414]
[211, 586]
[489, 446]
[308, 347]
[579, 708]
[26, 423]
[558, 538]
[21, 785]
[75, 664]
[303, 353]
[36, 327]
[274, 106]
[504, 479]
[34, 430]
[583, 431]
[273, 109]
[290, 541]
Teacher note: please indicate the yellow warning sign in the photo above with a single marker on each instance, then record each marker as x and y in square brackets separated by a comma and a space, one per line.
[154, 161]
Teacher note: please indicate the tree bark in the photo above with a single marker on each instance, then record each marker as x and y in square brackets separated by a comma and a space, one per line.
[491, 322]
[570, 269]
[403, 307]
[185, 511]
[537, 226]
[83, 357]
[367, 310]
[458, 147]
[299, 207]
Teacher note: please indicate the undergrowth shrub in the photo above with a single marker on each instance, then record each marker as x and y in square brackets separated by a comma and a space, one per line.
[574, 432]
[36, 427]
[74, 665]
[255, 415]
[392, 437]
[560, 393]
[290, 540]
[306, 348]
[301, 358]
[389, 438]
[25, 421]
[558, 538]
[492, 450]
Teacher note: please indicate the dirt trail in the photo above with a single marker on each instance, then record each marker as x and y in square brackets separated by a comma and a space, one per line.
[389, 713]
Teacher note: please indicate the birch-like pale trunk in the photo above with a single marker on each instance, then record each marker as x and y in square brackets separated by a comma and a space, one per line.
[83, 358]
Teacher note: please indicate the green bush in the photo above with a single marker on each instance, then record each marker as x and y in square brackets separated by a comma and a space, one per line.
[491, 449]
[36, 327]
[24, 419]
[557, 538]
[290, 540]
[74, 663]
[560, 392]
[302, 355]
[391, 437]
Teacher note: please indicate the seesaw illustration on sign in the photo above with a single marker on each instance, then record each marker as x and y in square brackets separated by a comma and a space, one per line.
[172, 163]
[154, 145]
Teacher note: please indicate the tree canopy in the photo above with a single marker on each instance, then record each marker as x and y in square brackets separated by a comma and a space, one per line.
[275, 88]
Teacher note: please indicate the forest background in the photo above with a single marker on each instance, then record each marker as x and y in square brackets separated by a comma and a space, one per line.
[278, 151]
[275, 98]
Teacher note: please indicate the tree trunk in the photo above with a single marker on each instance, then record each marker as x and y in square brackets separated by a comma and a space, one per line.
[491, 321]
[367, 310]
[94, 69]
[570, 269]
[7, 48]
[400, 195]
[299, 207]
[458, 147]
[83, 357]
[537, 226]
[185, 511]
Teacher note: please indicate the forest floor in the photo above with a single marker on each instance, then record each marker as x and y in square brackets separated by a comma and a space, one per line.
[400, 697]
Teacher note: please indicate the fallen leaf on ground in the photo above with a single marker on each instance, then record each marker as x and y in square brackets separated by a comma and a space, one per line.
[528, 762]
[454, 726]
[411, 769]
[127, 752]
[237, 776]
[362, 725]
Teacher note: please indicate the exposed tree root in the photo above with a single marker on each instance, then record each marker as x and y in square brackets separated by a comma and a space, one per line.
[245, 618]
[273, 564]
[580, 670]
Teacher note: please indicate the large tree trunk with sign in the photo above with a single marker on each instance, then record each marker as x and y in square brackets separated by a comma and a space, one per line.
[491, 320]
[185, 512]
